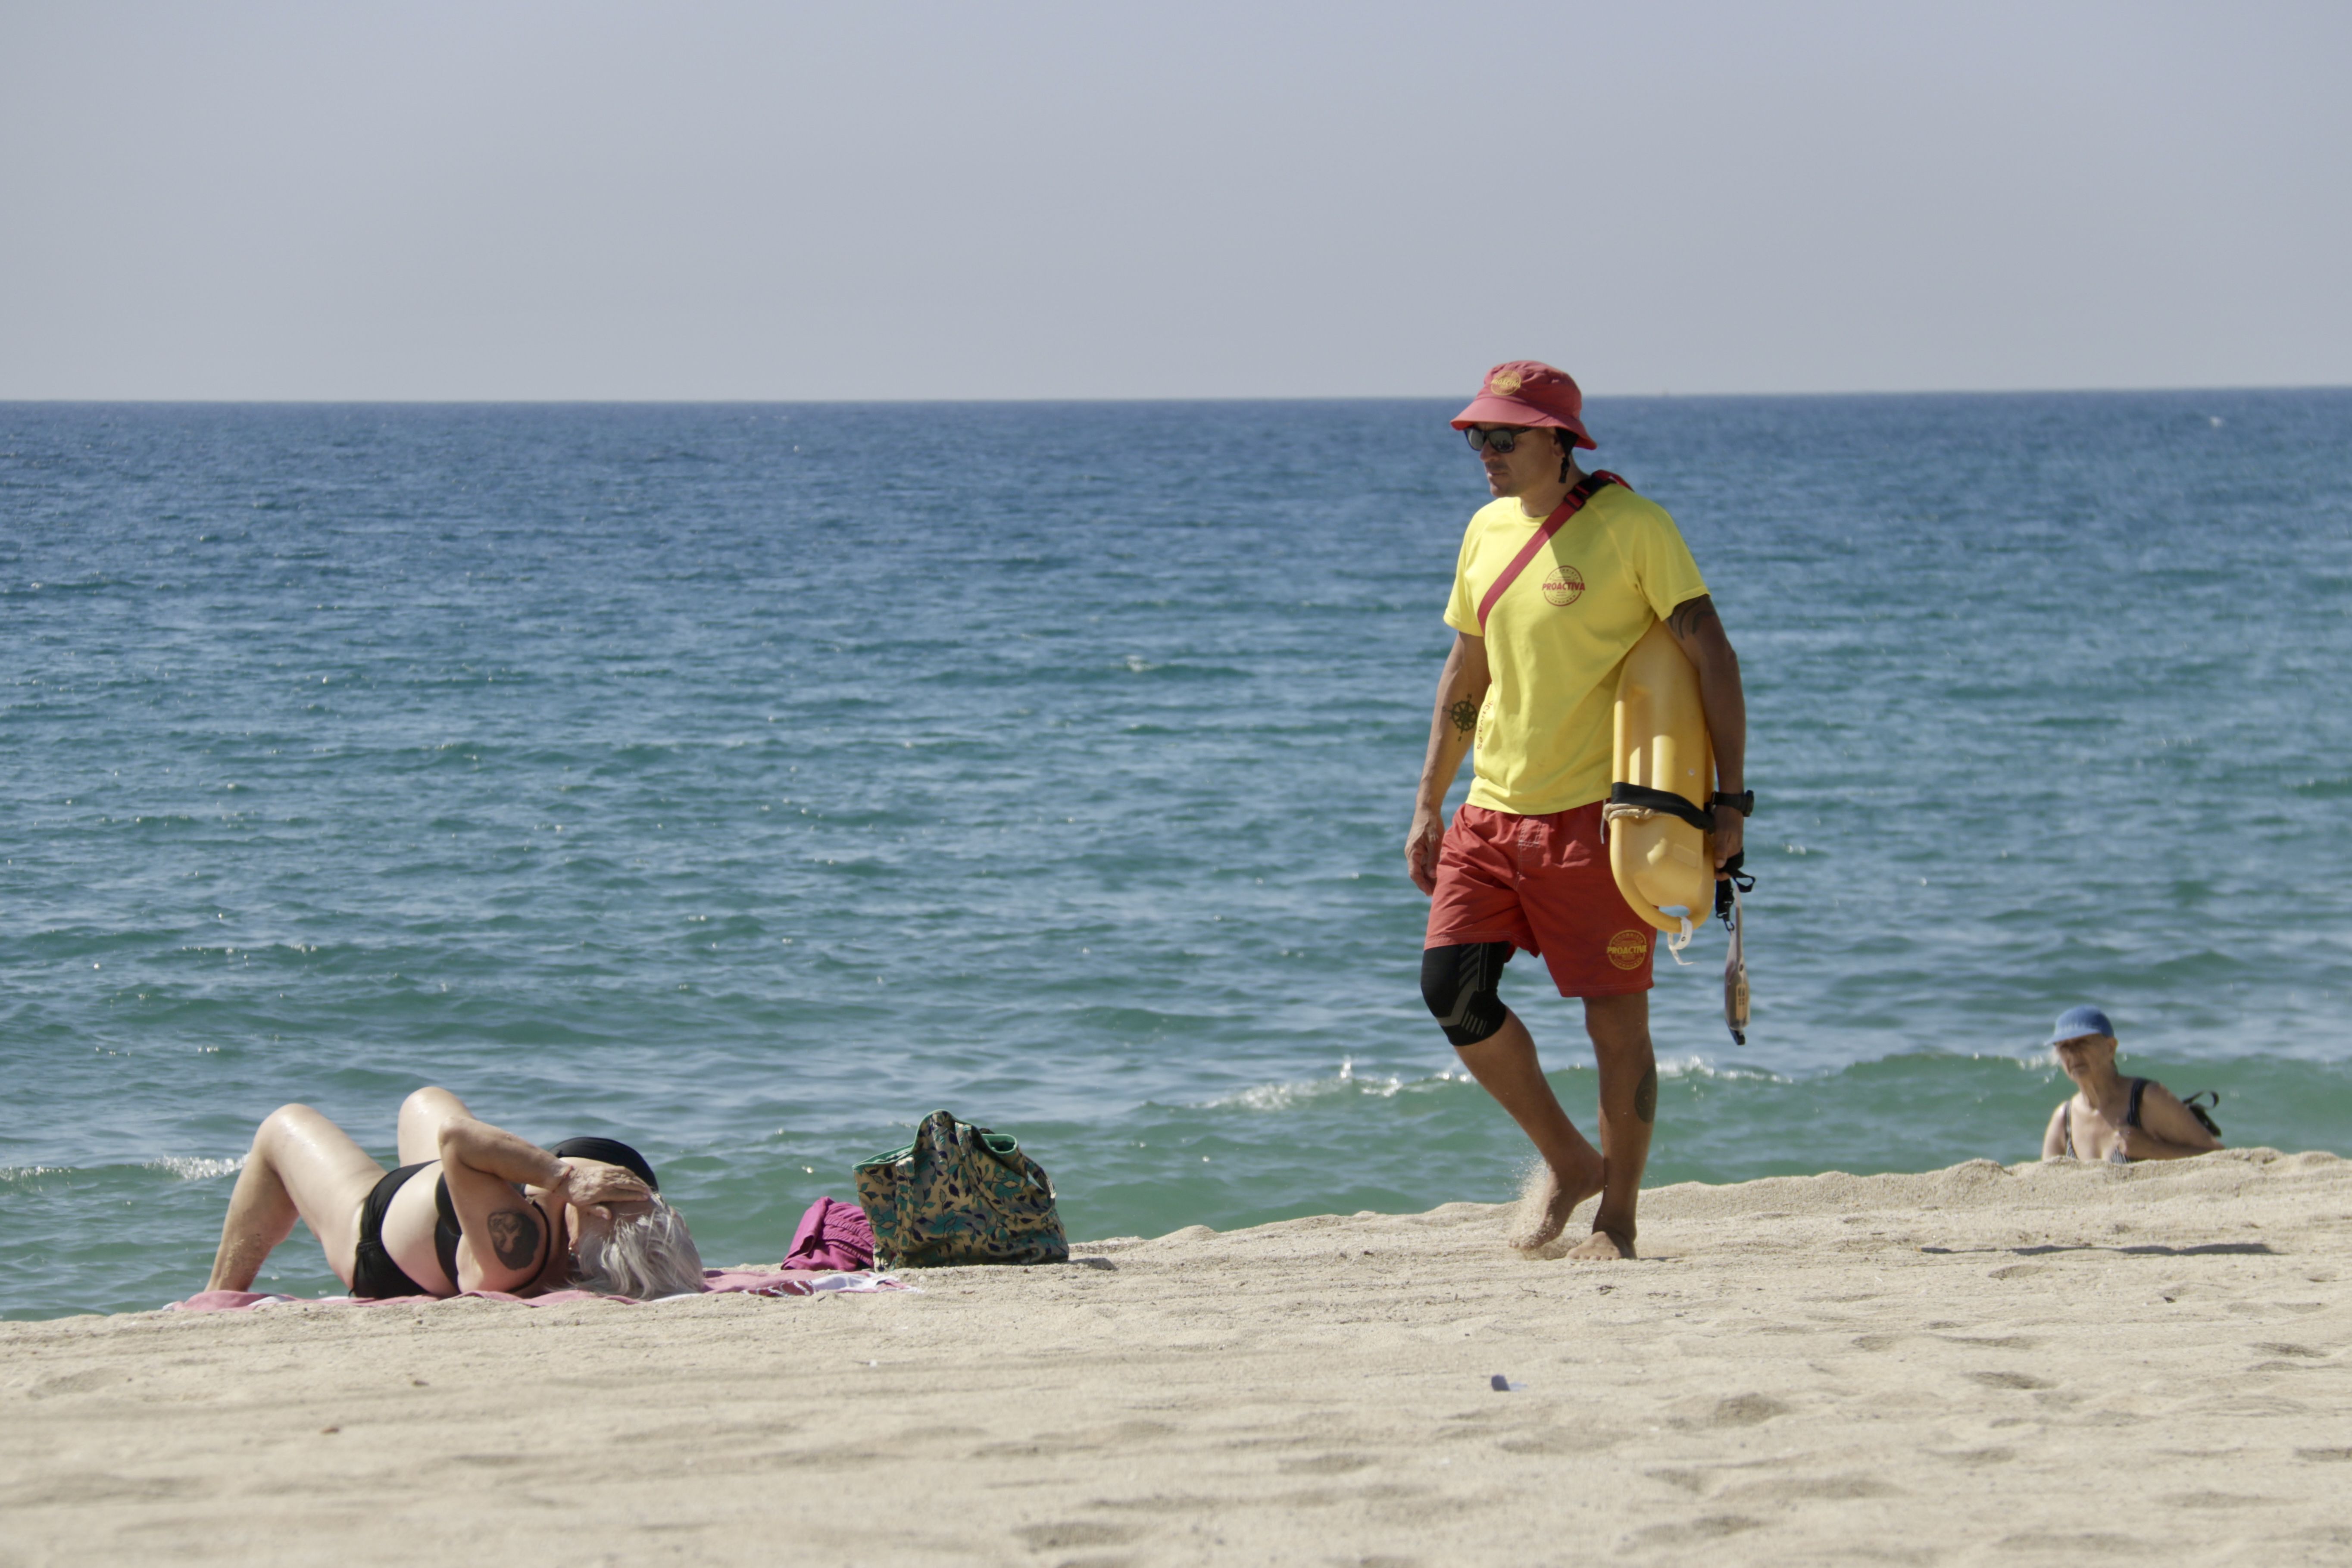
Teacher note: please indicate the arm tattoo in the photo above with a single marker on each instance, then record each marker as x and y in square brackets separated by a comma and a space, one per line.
[1645, 1096]
[1689, 617]
[514, 1237]
[1464, 715]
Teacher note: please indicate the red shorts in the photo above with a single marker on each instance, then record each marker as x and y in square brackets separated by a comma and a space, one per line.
[1541, 883]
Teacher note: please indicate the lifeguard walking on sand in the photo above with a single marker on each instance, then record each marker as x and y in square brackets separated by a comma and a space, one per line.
[1558, 577]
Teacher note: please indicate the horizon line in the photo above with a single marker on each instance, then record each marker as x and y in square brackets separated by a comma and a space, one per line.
[363, 402]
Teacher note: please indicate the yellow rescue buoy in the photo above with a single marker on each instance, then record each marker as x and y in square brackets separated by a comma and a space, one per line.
[1663, 864]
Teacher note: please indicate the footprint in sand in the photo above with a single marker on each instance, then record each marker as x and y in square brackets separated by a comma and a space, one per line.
[1737, 1410]
[1073, 1532]
[1562, 1440]
[1711, 1527]
[1811, 1488]
[2010, 1380]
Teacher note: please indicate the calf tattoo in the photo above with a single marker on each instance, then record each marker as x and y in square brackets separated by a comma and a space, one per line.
[514, 1234]
[1645, 1096]
[1464, 715]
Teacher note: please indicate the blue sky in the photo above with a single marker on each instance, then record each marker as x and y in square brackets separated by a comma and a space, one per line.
[709, 200]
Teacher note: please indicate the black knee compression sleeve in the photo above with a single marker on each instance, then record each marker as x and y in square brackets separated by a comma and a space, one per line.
[1459, 984]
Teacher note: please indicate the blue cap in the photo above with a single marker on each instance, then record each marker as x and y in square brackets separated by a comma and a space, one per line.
[2077, 1022]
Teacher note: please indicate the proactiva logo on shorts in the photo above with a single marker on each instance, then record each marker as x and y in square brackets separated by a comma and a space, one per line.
[1565, 585]
[1627, 949]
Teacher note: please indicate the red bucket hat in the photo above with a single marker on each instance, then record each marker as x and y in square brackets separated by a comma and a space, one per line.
[1529, 392]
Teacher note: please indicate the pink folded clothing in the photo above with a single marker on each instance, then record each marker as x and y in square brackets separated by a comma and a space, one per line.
[781, 1281]
[832, 1235]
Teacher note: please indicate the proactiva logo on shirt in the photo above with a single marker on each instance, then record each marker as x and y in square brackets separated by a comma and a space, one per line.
[1565, 585]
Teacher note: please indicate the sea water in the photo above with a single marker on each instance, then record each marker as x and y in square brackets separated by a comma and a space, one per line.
[748, 780]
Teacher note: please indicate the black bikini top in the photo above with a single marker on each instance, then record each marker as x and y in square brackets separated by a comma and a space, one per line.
[448, 1232]
[2131, 1116]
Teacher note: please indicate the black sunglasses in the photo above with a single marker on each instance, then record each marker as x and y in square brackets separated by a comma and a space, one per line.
[1497, 440]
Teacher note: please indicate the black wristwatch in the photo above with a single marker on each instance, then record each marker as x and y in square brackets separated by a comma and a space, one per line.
[1744, 803]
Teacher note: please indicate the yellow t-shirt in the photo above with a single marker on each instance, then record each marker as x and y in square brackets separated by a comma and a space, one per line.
[1556, 636]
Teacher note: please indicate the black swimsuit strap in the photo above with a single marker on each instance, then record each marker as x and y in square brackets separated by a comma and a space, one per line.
[395, 1179]
[2131, 1117]
[446, 1232]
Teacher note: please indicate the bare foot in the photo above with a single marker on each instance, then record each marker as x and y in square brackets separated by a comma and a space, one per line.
[1545, 1204]
[1600, 1246]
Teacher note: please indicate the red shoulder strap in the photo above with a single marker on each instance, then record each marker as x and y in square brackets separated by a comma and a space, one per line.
[1586, 488]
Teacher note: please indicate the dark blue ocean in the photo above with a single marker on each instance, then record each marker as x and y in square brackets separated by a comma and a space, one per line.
[748, 780]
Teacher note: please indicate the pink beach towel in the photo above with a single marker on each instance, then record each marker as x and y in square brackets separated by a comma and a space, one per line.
[715, 1281]
[831, 1252]
[833, 1249]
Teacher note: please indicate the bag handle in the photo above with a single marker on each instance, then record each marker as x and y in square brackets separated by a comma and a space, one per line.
[2201, 1105]
[1586, 488]
[1002, 1147]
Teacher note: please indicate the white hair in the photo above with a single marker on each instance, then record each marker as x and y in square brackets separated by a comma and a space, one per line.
[644, 1255]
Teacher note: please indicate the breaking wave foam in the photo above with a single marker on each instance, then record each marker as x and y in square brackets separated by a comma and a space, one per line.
[189, 1168]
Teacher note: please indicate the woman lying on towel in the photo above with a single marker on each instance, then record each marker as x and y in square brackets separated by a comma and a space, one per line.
[472, 1208]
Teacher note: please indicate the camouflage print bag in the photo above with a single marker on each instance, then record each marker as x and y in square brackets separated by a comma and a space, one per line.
[959, 1194]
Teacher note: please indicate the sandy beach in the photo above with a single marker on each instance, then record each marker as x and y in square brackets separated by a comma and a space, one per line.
[2038, 1363]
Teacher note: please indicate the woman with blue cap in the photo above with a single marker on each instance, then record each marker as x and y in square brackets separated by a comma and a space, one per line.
[2111, 1116]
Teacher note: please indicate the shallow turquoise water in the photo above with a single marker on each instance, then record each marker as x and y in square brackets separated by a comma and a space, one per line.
[748, 781]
